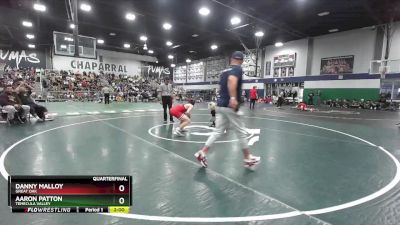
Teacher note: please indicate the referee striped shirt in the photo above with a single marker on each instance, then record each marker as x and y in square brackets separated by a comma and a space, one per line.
[165, 89]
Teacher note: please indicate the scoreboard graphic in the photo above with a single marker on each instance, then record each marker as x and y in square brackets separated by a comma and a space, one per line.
[70, 194]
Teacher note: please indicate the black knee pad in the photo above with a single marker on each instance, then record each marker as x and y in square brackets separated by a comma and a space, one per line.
[213, 113]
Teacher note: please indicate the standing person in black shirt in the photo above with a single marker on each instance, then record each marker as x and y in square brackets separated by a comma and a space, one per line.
[227, 116]
[165, 91]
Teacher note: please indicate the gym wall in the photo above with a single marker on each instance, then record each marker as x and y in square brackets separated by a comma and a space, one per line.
[394, 52]
[367, 89]
[107, 61]
[360, 43]
[300, 47]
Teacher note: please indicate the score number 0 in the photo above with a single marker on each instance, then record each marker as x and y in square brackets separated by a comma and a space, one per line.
[121, 200]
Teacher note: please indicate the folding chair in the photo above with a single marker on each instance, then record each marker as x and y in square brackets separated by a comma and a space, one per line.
[4, 116]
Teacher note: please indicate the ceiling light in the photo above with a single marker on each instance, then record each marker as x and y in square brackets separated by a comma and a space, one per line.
[30, 36]
[157, 61]
[126, 45]
[100, 41]
[204, 11]
[68, 39]
[39, 7]
[143, 38]
[188, 60]
[369, 28]
[323, 13]
[151, 51]
[333, 30]
[63, 46]
[191, 51]
[195, 35]
[130, 16]
[86, 7]
[176, 46]
[168, 43]
[214, 47]
[72, 26]
[170, 56]
[241, 26]
[112, 34]
[27, 24]
[173, 65]
[259, 34]
[278, 44]
[235, 20]
[167, 26]
[31, 46]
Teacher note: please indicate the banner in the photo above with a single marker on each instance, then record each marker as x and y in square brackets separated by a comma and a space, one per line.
[180, 74]
[156, 71]
[195, 72]
[284, 65]
[249, 64]
[103, 63]
[276, 72]
[286, 60]
[337, 65]
[267, 68]
[214, 67]
[291, 71]
[21, 59]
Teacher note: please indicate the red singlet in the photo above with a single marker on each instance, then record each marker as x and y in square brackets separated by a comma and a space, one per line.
[177, 110]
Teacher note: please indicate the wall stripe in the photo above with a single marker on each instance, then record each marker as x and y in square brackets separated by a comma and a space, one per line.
[344, 93]
[360, 76]
[375, 83]
[200, 87]
[250, 85]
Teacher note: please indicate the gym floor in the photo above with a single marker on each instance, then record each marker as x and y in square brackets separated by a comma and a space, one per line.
[326, 167]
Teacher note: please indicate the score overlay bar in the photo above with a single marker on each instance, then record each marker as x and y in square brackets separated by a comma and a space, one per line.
[110, 209]
[91, 193]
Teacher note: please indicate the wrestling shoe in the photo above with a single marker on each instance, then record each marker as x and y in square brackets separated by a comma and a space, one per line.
[48, 118]
[23, 120]
[178, 132]
[201, 158]
[252, 162]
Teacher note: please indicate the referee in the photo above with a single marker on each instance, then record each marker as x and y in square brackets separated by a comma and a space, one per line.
[165, 95]
[106, 91]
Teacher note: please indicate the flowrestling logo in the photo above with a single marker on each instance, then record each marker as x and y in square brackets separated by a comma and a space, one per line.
[21, 58]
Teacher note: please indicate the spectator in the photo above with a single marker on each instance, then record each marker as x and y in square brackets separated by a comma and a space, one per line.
[253, 97]
[311, 98]
[24, 92]
[12, 105]
[318, 98]
[280, 99]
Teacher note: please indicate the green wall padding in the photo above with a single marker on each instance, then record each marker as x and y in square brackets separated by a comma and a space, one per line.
[344, 93]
